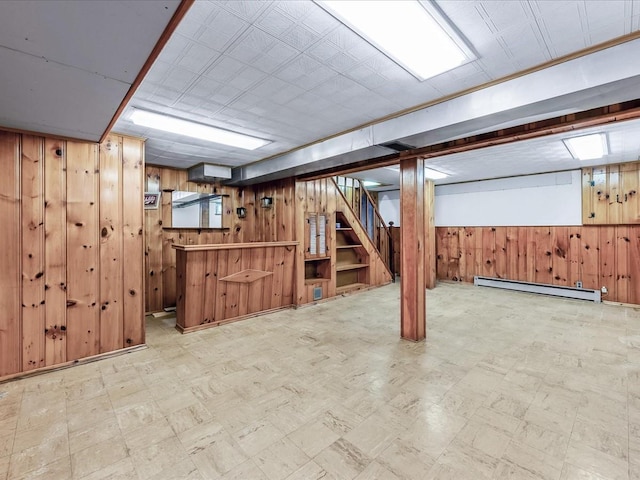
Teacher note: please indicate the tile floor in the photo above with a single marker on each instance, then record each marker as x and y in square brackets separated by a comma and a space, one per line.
[508, 386]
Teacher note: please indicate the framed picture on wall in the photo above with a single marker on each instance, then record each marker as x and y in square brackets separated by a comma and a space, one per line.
[151, 200]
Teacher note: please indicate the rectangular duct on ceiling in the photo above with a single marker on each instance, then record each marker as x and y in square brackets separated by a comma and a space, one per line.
[540, 288]
[397, 146]
[208, 173]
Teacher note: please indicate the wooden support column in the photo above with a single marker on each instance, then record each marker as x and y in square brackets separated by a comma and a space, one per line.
[430, 236]
[412, 252]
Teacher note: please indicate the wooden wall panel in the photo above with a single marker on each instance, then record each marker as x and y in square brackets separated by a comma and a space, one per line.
[595, 255]
[63, 262]
[33, 293]
[10, 259]
[260, 225]
[55, 270]
[111, 286]
[83, 259]
[610, 194]
[133, 241]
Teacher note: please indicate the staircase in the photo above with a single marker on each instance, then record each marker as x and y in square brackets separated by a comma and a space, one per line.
[365, 209]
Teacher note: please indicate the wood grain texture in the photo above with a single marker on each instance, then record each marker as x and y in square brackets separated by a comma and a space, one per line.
[83, 326]
[203, 275]
[133, 241]
[412, 219]
[33, 286]
[56, 200]
[111, 266]
[55, 270]
[596, 255]
[610, 194]
[10, 259]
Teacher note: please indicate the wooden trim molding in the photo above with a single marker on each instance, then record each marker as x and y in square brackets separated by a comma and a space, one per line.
[179, 14]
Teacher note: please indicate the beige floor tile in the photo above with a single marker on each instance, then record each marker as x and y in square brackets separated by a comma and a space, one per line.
[540, 438]
[244, 471]
[483, 437]
[89, 413]
[375, 471]
[500, 421]
[311, 471]
[92, 434]
[138, 415]
[510, 471]
[571, 472]
[471, 460]
[4, 467]
[604, 440]
[121, 470]
[507, 404]
[38, 456]
[371, 437]
[146, 435]
[593, 460]
[257, 436]
[201, 436]
[341, 420]
[6, 444]
[218, 455]
[342, 460]
[532, 461]
[313, 437]
[405, 461]
[189, 417]
[98, 456]
[158, 457]
[281, 459]
[59, 469]
[183, 470]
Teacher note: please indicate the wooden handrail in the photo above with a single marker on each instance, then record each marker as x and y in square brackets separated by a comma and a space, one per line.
[233, 246]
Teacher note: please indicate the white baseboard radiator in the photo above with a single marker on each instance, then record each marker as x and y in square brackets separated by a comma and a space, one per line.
[541, 288]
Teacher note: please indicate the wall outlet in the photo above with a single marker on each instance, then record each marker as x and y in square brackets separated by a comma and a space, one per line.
[604, 290]
[578, 284]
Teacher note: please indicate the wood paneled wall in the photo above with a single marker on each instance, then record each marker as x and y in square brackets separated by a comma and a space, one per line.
[260, 225]
[596, 255]
[611, 194]
[65, 293]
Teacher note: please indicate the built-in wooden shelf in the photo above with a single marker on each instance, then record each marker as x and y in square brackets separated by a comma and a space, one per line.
[312, 281]
[350, 266]
[355, 245]
[316, 259]
[343, 229]
[349, 288]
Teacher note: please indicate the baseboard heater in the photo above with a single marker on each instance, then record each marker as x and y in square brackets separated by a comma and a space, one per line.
[541, 288]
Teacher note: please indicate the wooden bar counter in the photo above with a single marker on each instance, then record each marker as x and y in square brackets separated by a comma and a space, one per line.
[222, 283]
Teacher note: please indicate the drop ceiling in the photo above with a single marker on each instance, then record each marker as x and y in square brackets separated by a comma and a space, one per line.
[284, 70]
[67, 65]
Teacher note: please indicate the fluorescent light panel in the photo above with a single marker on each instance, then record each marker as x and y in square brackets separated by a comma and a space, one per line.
[196, 130]
[587, 147]
[418, 40]
[370, 183]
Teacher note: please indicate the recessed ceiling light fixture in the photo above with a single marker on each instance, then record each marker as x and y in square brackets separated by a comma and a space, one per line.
[413, 34]
[434, 174]
[587, 147]
[196, 130]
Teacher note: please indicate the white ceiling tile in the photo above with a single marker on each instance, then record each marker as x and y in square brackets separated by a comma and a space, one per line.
[248, 10]
[224, 69]
[299, 37]
[275, 22]
[323, 51]
[296, 9]
[197, 57]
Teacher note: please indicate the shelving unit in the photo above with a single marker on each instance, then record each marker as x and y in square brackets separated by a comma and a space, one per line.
[352, 259]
